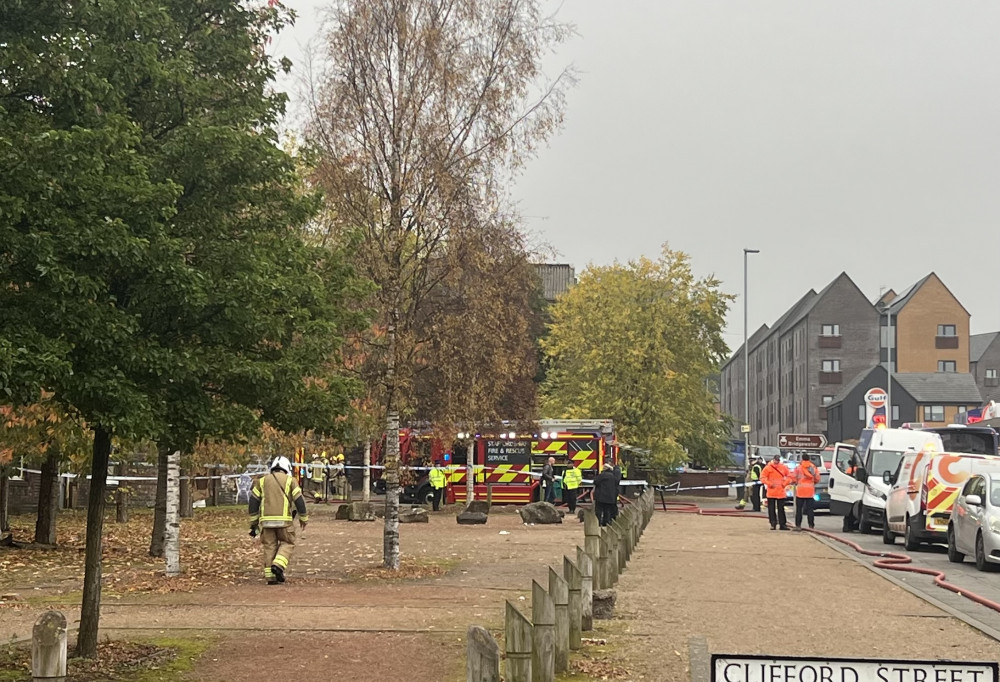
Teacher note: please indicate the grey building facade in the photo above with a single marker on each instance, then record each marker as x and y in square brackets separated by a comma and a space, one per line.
[800, 363]
[984, 364]
[556, 278]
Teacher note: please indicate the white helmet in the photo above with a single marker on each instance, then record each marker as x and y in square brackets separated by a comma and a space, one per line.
[281, 462]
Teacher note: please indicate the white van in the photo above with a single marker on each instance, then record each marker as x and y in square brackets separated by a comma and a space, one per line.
[923, 490]
[857, 489]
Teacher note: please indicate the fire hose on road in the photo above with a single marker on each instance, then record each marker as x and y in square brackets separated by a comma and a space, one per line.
[888, 561]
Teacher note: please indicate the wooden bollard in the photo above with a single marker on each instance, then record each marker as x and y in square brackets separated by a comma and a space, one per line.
[574, 580]
[611, 560]
[601, 574]
[585, 562]
[543, 625]
[48, 647]
[483, 657]
[559, 591]
[517, 645]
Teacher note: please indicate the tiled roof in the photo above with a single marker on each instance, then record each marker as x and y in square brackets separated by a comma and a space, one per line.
[979, 344]
[940, 387]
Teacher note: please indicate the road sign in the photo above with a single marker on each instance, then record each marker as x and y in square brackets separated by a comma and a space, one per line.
[802, 441]
[751, 668]
[876, 397]
[745, 428]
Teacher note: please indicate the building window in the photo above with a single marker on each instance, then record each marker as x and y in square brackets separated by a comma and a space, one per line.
[946, 366]
[933, 413]
[991, 374]
[831, 365]
[946, 330]
[831, 330]
[895, 413]
[827, 399]
[861, 412]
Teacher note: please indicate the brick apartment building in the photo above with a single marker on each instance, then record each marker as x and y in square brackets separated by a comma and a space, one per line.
[820, 351]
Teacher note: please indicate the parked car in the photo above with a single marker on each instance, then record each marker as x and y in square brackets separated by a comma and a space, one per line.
[974, 529]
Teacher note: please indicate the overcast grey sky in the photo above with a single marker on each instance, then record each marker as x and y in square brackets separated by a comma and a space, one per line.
[831, 135]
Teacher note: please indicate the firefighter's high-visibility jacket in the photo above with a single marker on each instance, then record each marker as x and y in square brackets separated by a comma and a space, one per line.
[775, 476]
[806, 478]
[438, 478]
[318, 468]
[273, 498]
[572, 478]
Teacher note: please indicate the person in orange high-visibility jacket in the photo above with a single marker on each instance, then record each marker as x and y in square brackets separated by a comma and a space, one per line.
[806, 477]
[776, 478]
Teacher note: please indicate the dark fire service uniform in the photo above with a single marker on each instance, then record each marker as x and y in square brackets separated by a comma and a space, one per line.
[275, 501]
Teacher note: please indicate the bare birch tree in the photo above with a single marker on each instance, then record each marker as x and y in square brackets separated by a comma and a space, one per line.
[421, 105]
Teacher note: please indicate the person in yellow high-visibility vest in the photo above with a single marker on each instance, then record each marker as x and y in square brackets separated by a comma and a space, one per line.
[571, 480]
[438, 481]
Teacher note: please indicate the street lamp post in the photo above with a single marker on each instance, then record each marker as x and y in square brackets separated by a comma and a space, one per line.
[746, 376]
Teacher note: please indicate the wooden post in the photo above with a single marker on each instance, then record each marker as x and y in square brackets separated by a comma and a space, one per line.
[121, 496]
[213, 488]
[172, 531]
[187, 511]
[585, 563]
[517, 645]
[574, 580]
[559, 590]
[483, 658]
[543, 641]
[48, 647]
[592, 544]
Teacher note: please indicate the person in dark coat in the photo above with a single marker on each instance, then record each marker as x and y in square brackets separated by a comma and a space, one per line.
[605, 495]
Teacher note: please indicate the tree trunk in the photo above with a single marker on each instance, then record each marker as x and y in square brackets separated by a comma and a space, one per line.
[470, 473]
[90, 611]
[366, 479]
[172, 538]
[4, 497]
[187, 511]
[48, 492]
[160, 506]
[121, 496]
[390, 533]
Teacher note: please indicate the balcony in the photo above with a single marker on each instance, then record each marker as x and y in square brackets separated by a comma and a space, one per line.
[829, 341]
[831, 378]
[945, 342]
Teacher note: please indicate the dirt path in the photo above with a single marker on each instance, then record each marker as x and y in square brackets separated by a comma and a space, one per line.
[750, 590]
[338, 616]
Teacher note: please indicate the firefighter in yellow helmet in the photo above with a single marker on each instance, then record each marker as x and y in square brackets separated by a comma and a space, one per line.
[438, 481]
[317, 469]
[275, 501]
[338, 476]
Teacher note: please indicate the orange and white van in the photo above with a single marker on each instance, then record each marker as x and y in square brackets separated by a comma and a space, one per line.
[923, 490]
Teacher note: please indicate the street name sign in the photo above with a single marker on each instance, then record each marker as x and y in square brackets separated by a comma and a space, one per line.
[803, 441]
[738, 668]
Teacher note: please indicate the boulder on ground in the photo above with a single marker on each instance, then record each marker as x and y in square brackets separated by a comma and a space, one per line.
[604, 604]
[361, 511]
[540, 512]
[471, 518]
[415, 515]
[343, 512]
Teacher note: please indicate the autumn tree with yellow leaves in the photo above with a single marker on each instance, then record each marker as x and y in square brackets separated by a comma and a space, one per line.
[637, 342]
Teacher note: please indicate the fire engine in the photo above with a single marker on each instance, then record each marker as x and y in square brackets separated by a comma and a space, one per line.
[508, 466]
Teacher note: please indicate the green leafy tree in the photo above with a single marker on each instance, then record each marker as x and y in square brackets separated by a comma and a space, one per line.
[154, 273]
[636, 342]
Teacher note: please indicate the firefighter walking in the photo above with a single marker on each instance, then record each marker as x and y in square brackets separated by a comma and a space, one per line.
[438, 481]
[317, 469]
[275, 501]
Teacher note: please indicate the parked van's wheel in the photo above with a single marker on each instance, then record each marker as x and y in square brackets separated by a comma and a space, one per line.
[954, 556]
[981, 563]
[888, 537]
[864, 525]
[910, 541]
